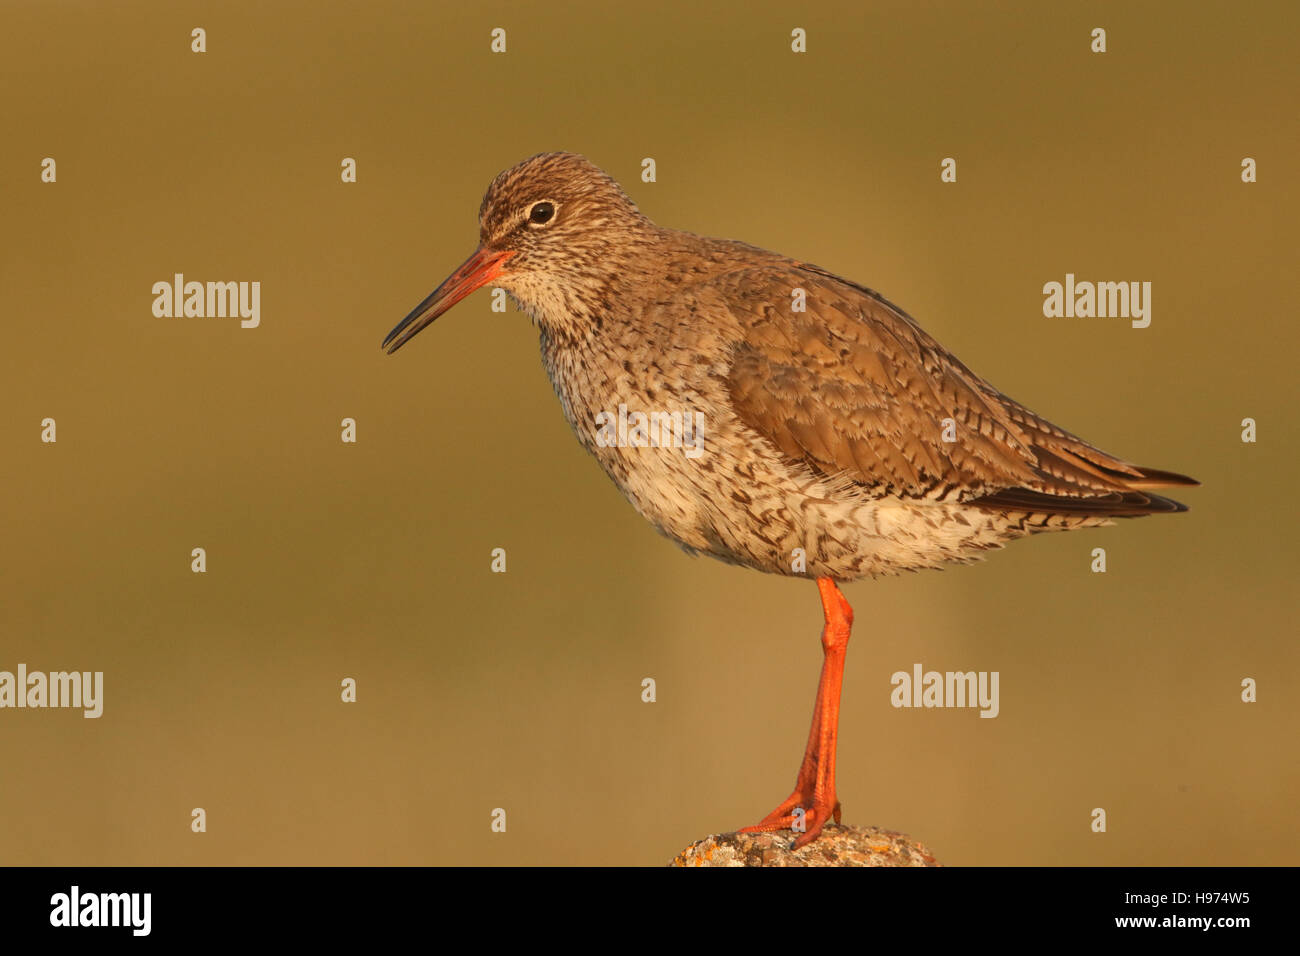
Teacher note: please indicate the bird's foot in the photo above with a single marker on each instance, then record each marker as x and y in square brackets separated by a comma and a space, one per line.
[804, 813]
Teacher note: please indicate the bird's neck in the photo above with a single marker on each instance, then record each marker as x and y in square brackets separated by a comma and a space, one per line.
[573, 306]
[565, 315]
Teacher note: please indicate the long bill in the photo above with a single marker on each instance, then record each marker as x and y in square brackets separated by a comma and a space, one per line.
[475, 272]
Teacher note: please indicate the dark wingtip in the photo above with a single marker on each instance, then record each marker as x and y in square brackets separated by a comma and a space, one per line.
[1119, 504]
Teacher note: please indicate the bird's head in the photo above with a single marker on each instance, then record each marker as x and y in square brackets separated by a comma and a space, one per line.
[552, 232]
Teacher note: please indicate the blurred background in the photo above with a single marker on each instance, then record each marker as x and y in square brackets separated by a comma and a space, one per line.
[523, 690]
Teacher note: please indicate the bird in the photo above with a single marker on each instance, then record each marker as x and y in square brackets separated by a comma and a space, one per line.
[824, 434]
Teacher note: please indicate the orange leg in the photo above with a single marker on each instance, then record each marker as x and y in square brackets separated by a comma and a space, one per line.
[814, 788]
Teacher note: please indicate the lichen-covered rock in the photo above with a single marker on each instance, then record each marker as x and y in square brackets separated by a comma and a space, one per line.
[836, 846]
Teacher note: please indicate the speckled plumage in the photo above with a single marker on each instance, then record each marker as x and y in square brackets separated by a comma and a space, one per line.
[823, 429]
[838, 439]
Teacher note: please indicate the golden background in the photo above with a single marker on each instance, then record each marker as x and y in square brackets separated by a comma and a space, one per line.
[522, 690]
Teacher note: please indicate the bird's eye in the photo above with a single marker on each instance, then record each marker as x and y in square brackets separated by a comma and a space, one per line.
[541, 213]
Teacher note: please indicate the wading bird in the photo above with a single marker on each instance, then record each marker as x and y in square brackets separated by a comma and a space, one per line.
[840, 440]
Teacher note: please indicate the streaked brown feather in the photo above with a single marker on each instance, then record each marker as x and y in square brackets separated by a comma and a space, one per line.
[854, 387]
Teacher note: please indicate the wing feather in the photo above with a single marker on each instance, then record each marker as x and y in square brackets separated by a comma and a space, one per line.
[854, 388]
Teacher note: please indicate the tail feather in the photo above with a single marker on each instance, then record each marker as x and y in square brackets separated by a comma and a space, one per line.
[1131, 499]
[1076, 479]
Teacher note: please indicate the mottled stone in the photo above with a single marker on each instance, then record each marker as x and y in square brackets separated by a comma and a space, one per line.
[837, 846]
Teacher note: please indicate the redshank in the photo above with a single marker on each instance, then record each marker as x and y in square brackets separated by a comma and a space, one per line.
[764, 411]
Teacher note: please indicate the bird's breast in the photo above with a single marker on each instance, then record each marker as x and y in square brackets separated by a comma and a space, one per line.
[652, 425]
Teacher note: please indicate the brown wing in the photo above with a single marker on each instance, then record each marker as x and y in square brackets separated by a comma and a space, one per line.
[853, 387]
